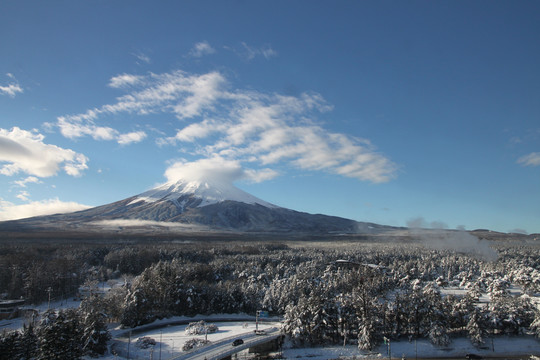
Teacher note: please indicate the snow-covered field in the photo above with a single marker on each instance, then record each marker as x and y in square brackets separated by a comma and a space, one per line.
[173, 338]
[508, 346]
[170, 338]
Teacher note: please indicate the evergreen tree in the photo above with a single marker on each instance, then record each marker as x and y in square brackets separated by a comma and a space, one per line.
[94, 329]
[10, 345]
[535, 325]
[475, 328]
[29, 343]
[366, 334]
[60, 336]
[438, 335]
[137, 310]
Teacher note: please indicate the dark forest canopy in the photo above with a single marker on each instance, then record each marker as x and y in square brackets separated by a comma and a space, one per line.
[327, 292]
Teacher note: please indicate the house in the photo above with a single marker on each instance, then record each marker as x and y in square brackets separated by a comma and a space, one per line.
[9, 309]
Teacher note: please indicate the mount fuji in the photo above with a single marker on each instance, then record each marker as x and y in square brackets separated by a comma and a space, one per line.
[189, 206]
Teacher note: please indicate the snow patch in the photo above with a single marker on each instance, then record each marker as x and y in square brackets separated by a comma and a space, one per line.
[208, 191]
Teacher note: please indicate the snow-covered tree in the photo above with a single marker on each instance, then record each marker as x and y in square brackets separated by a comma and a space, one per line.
[137, 308]
[10, 345]
[535, 325]
[200, 328]
[438, 335]
[29, 342]
[476, 328]
[94, 329]
[60, 336]
[367, 337]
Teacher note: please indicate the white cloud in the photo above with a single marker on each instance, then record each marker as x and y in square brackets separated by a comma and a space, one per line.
[83, 125]
[10, 211]
[23, 195]
[124, 80]
[29, 179]
[142, 57]
[11, 89]
[201, 49]
[218, 169]
[25, 152]
[76, 128]
[136, 222]
[258, 176]
[184, 95]
[250, 52]
[532, 159]
[245, 126]
[132, 137]
[196, 131]
[271, 129]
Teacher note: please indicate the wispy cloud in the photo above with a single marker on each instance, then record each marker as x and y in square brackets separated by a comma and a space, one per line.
[253, 128]
[177, 92]
[83, 125]
[217, 168]
[137, 222]
[10, 211]
[23, 195]
[124, 80]
[250, 52]
[270, 129]
[201, 49]
[28, 180]
[11, 89]
[132, 137]
[532, 159]
[23, 151]
[142, 57]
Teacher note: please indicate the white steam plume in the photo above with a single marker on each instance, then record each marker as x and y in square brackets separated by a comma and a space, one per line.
[435, 236]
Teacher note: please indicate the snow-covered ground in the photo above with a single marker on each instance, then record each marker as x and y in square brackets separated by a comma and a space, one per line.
[17, 323]
[423, 349]
[173, 338]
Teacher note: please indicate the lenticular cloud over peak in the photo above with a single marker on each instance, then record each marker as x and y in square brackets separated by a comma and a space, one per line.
[208, 180]
[215, 170]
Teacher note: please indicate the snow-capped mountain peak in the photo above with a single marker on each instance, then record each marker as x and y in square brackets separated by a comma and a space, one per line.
[198, 193]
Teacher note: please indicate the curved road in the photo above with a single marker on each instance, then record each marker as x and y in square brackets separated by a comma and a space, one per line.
[224, 348]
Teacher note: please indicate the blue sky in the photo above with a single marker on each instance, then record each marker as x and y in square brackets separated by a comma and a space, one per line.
[394, 112]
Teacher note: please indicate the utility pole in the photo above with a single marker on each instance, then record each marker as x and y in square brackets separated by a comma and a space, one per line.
[129, 343]
[257, 320]
[160, 335]
[389, 347]
[49, 290]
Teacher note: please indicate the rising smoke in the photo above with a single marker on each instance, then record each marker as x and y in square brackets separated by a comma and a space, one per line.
[435, 235]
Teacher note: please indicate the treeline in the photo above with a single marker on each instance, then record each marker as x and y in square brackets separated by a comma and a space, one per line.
[354, 294]
[64, 334]
[36, 271]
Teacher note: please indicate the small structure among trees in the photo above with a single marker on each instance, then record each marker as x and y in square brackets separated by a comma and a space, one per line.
[9, 309]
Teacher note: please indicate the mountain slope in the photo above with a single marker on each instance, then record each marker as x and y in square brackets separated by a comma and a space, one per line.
[196, 204]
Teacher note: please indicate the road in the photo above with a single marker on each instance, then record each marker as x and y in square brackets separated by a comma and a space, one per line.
[224, 348]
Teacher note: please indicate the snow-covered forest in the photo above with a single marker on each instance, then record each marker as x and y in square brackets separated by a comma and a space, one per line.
[327, 293]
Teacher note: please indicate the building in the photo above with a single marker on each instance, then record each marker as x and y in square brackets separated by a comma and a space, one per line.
[9, 309]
